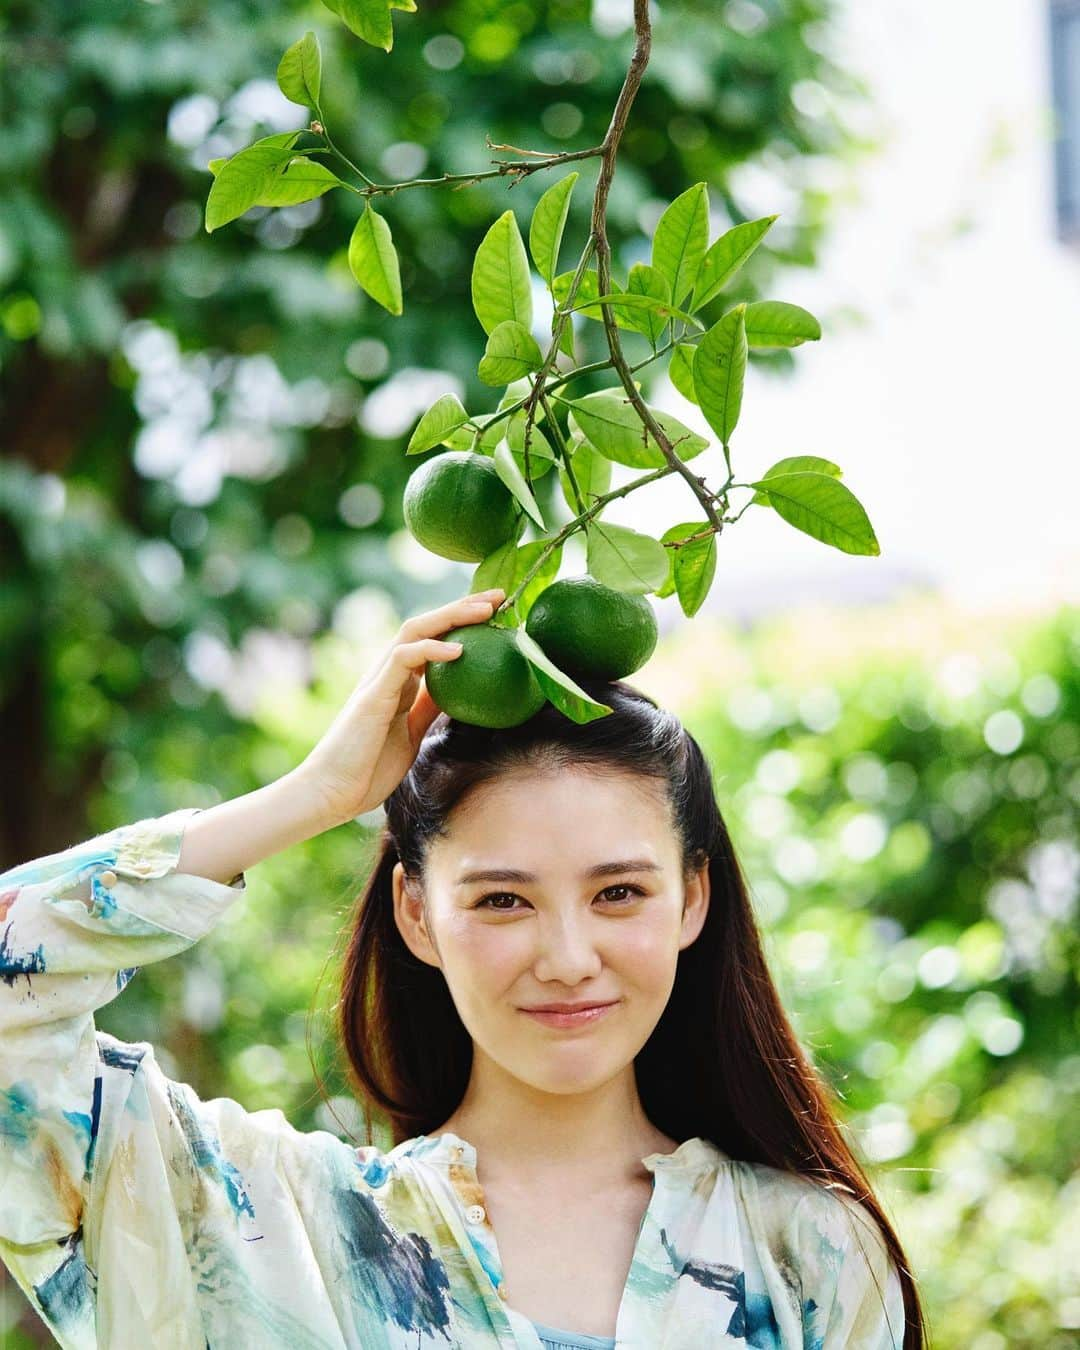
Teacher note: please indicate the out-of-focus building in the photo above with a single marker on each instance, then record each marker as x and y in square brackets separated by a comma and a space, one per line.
[947, 381]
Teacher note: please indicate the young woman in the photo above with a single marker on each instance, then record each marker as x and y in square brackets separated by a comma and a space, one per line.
[606, 1133]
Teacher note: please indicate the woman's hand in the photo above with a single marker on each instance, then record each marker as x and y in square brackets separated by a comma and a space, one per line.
[371, 744]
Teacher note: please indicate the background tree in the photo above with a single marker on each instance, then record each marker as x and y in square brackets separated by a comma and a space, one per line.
[203, 435]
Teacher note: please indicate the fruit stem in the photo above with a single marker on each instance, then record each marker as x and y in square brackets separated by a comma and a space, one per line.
[578, 523]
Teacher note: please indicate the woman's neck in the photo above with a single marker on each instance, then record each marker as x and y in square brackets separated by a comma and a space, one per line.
[521, 1130]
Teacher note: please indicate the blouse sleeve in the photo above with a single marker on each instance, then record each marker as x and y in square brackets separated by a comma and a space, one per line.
[853, 1299]
[74, 928]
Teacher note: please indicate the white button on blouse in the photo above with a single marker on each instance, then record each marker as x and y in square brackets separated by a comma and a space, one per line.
[476, 1214]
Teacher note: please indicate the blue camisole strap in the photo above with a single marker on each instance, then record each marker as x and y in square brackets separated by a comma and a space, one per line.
[552, 1339]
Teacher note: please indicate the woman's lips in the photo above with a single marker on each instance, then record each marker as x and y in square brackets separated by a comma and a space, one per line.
[570, 1019]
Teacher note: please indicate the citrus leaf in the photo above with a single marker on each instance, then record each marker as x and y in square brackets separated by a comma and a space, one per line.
[675, 532]
[527, 556]
[506, 466]
[497, 569]
[299, 72]
[646, 281]
[823, 507]
[240, 179]
[719, 371]
[408, 5]
[630, 301]
[774, 323]
[445, 415]
[566, 337]
[625, 559]
[614, 428]
[679, 241]
[547, 225]
[692, 567]
[500, 276]
[541, 455]
[215, 164]
[511, 352]
[565, 693]
[726, 255]
[587, 292]
[592, 473]
[373, 260]
[368, 19]
[796, 464]
[681, 370]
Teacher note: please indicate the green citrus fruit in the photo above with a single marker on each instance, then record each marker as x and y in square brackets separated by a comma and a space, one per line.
[456, 505]
[490, 684]
[593, 629]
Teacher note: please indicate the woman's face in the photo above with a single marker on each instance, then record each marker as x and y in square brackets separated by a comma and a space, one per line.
[596, 911]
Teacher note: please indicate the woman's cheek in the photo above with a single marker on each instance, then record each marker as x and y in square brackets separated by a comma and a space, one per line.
[489, 954]
[646, 952]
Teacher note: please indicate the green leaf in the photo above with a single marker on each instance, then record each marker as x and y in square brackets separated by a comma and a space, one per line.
[719, 371]
[614, 428]
[679, 241]
[257, 177]
[506, 467]
[373, 260]
[631, 302]
[797, 464]
[587, 293]
[500, 276]
[566, 694]
[726, 255]
[774, 323]
[566, 337]
[445, 415]
[511, 352]
[823, 507]
[647, 282]
[508, 566]
[691, 567]
[623, 558]
[547, 225]
[368, 19]
[592, 473]
[215, 164]
[541, 455]
[299, 72]
[681, 370]
[497, 569]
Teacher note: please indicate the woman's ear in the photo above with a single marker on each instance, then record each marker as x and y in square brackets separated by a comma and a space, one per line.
[411, 919]
[695, 905]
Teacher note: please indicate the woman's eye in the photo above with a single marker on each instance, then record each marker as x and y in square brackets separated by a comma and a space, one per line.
[632, 892]
[487, 901]
[484, 903]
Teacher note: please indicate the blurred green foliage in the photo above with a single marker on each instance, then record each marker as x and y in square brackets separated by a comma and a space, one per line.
[200, 544]
[202, 446]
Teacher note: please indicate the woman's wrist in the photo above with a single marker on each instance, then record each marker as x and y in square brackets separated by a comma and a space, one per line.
[225, 840]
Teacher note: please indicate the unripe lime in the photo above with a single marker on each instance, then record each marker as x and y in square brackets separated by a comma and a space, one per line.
[593, 629]
[456, 505]
[490, 684]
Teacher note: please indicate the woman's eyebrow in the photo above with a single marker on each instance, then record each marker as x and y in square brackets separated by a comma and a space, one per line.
[604, 869]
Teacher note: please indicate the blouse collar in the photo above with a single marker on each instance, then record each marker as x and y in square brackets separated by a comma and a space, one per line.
[446, 1148]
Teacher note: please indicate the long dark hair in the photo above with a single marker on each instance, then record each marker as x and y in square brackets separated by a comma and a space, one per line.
[723, 1062]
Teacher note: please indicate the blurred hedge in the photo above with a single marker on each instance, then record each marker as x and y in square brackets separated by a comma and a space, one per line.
[901, 783]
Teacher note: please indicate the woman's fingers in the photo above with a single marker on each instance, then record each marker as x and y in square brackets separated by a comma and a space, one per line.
[422, 713]
[467, 609]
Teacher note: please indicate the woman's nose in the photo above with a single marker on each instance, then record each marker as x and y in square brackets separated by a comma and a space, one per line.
[566, 951]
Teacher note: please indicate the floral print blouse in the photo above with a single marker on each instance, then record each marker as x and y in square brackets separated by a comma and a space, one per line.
[134, 1214]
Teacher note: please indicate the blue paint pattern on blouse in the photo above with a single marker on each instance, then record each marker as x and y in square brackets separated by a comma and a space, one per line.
[132, 1212]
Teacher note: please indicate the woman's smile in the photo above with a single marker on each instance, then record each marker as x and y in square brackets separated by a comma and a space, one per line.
[582, 1017]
